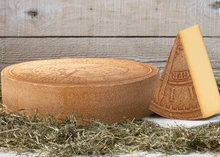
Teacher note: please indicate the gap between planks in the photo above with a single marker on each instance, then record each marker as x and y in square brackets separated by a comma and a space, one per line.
[98, 36]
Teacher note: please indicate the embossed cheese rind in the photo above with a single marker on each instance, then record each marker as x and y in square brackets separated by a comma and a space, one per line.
[110, 90]
[179, 95]
[175, 97]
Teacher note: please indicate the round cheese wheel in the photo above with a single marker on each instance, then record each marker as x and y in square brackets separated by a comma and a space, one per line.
[109, 90]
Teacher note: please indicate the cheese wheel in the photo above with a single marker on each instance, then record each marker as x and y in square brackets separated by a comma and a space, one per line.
[109, 90]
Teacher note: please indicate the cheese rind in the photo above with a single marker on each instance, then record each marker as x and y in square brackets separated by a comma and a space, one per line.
[200, 70]
[109, 90]
[187, 88]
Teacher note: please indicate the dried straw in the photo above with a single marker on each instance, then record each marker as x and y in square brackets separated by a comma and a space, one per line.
[22, 133]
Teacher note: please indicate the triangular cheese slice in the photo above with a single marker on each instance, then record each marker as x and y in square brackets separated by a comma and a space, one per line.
[187, 88]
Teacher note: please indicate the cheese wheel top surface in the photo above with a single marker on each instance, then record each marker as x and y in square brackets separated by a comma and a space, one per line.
[80, 71]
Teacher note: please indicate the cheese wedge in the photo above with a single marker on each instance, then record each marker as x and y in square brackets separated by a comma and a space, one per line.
[187, 88]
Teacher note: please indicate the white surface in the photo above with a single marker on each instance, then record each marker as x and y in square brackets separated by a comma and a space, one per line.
[144, 154]
[165, 122]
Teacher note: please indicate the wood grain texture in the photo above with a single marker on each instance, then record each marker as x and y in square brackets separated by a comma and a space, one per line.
[107, 17]
[150, 50]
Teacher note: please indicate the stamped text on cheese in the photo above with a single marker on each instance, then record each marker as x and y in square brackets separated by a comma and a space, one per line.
[180, 75]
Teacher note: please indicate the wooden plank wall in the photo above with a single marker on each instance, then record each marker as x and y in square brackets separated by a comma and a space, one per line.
[141, 30]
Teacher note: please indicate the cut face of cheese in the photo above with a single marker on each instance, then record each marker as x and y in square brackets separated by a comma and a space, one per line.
[187, 88]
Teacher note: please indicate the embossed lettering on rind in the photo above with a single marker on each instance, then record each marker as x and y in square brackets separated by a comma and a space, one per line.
[191, 92]
[180, 75]
[176, 94]
[172, 94]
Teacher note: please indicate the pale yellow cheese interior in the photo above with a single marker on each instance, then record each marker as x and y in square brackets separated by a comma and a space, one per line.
[200, 70]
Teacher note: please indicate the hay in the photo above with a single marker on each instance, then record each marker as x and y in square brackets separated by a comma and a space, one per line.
[21, 133]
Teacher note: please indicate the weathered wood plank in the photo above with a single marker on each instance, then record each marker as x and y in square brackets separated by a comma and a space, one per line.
[107, 17]
[3, 65]
[150, 50]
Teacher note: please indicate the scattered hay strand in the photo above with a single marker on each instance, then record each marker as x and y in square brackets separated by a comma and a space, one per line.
[25, 134]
